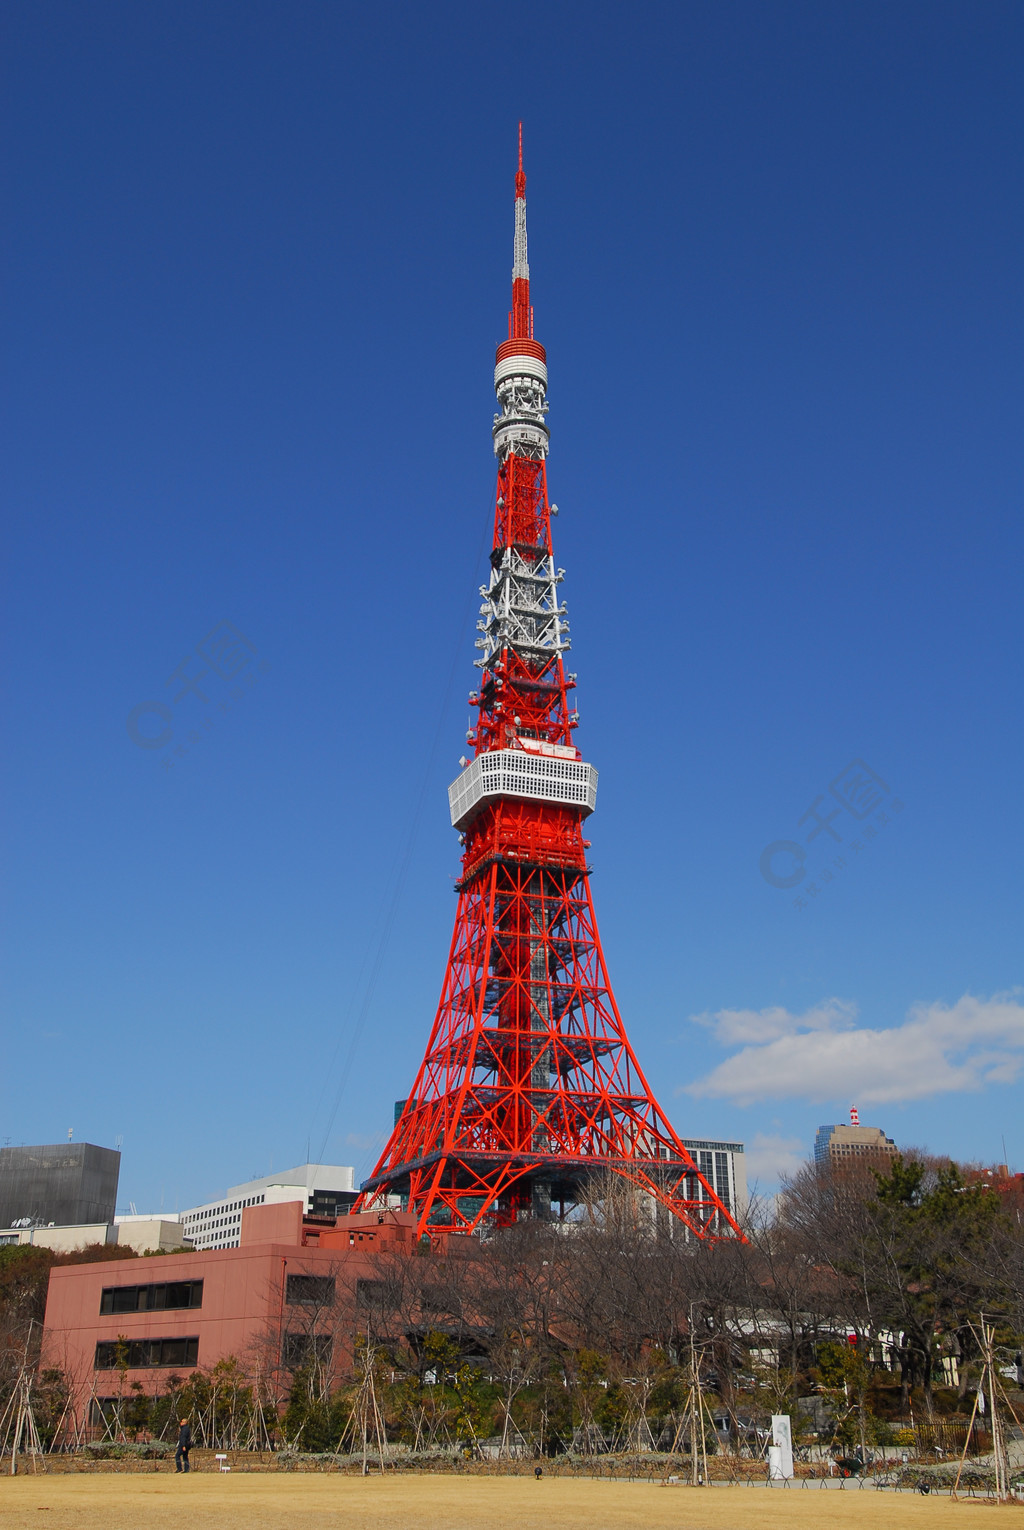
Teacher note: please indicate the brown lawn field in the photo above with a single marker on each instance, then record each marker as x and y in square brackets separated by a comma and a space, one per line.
[283, 1501]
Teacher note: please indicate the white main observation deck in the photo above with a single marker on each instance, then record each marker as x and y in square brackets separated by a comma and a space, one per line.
[516, 773]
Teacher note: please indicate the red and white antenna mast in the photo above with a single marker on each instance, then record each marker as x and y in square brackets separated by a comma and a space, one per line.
[529, 1091]
[520, 320]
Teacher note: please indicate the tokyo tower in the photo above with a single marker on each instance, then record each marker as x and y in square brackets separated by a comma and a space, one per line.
[529, 1091]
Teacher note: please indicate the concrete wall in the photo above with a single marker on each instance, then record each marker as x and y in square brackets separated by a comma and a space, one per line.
[64, 1239]
[149, 1233]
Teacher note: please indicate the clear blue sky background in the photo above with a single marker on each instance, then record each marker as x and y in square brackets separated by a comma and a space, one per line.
[257, 260]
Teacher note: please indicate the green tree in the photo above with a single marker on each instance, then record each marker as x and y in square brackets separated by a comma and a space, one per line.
[843, 1375]
[927, 1265]
[309, 1423]
[138, 1411]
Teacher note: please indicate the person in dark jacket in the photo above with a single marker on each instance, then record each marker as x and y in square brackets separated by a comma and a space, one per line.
[184, 1444]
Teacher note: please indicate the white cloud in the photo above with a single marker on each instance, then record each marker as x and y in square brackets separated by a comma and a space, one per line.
[738, 1026]
[769, 1158]
[824, 1055]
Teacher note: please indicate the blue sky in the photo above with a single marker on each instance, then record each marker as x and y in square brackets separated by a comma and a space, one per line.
[257, 262]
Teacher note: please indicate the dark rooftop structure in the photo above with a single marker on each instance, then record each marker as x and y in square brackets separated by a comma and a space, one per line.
[67, 1183]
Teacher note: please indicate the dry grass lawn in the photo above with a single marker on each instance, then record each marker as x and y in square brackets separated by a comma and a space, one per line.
[205, 1501]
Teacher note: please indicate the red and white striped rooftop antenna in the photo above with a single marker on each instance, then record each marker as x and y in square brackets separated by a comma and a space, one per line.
[854, 1116]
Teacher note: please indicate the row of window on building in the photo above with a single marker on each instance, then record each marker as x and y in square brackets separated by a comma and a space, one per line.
[162, 1296]
[218, 1226]
[177, 1295]
[183, 1354]
[714, 1169]
[146, 1354]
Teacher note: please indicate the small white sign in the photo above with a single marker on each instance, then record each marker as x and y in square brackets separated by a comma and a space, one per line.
[781, 1448]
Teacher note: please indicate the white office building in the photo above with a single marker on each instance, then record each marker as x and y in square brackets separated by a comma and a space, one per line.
[724, 1167]
[325, 1189]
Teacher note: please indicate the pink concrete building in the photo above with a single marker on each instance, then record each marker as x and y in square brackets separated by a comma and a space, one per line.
[293, 1281]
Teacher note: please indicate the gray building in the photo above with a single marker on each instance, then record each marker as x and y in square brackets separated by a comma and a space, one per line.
[67, 1183]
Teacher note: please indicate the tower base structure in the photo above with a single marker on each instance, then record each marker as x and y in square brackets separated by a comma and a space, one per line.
[530, 1101]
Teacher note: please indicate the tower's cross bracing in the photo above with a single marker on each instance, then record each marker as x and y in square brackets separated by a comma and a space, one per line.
[529, 1094]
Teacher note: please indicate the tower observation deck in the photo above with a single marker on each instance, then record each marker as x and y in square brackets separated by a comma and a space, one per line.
[529, 1094]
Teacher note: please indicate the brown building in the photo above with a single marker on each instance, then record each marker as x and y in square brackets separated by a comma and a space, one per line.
[843, 1147]
[294, 1282]
[1009, 1187]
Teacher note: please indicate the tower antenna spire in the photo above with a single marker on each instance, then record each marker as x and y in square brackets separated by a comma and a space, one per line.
[520, 320]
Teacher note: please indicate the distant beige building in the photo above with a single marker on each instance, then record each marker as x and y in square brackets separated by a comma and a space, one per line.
[151, 1234]
[839, 1147]
[143, 1234]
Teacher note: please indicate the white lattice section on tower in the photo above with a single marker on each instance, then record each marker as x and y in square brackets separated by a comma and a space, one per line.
[521, 610]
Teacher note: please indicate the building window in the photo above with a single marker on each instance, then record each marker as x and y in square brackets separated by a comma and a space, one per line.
[305, 1348]
[102, 1410]
[722, 1180]
[371, 1293]
[145, 1354]
[309, 1290]
[164, 1296]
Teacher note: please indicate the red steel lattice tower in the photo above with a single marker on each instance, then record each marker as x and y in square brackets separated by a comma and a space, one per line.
[529, 1090]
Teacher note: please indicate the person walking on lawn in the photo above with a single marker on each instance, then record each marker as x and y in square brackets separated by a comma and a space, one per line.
[184, 1445]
